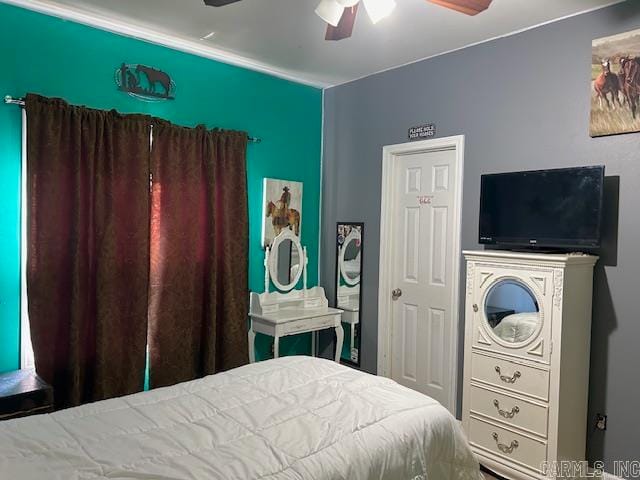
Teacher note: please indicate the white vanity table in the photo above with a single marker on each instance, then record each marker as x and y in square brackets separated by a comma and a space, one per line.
[350, 316]
[290, 311]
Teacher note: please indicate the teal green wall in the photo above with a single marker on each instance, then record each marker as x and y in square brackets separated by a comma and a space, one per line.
[52, 57]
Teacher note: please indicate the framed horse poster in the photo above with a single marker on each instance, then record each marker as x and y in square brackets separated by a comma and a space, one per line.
[615, 84]
[281, 208]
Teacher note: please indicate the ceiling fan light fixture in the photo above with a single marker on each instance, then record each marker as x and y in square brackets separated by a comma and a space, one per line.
[219, 3]
[379, 9]
[330, 11]
[469, 7]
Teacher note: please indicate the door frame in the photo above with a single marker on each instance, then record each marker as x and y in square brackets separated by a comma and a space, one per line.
[389, 153]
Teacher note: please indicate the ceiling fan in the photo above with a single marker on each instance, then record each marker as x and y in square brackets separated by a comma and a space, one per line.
[340, 15]
[219, 3]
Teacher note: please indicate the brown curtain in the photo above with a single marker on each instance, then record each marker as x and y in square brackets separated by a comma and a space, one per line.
[198, 291]
[88, 248]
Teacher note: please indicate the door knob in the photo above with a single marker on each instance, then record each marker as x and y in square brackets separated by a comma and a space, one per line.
[396, 294]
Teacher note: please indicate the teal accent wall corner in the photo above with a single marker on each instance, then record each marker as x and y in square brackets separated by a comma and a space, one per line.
[57, 58]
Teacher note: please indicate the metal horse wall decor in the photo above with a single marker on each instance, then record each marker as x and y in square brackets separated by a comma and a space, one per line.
[145, 83]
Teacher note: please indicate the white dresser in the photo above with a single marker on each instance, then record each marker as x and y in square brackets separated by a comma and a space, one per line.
[526, 367]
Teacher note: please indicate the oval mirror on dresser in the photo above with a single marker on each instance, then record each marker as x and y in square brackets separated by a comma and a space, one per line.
[512, 311]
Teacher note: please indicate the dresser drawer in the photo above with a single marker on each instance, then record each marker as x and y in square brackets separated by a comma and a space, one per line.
[309, 324]
[504, 408]
[510, 376]
[507, 444]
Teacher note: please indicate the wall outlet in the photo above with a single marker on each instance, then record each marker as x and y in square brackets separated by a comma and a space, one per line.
[601, 421]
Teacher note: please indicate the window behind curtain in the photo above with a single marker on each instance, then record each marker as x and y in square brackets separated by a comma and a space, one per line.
[27, 360]
[26, 349]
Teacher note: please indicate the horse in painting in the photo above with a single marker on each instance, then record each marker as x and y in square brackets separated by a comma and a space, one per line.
[630, 69]
[283, 218]
[607, 83]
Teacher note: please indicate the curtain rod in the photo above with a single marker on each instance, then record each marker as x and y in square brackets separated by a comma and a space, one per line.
[9, 100]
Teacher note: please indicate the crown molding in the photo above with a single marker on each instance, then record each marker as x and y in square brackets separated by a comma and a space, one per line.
[150, 35]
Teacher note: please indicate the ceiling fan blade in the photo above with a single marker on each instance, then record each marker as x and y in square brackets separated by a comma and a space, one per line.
[344, 29]
[219, 3]
[470, 7]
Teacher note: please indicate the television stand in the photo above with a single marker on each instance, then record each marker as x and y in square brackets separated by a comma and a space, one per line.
[542, 250]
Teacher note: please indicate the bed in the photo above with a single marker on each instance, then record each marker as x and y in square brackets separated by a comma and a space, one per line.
[289, 418]
[517, 327]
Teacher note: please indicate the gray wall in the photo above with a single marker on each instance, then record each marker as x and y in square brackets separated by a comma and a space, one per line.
[523, 103]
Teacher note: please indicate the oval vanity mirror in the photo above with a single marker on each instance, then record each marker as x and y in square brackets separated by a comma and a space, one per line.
[286, 261]
[512, 311]
[350, 258]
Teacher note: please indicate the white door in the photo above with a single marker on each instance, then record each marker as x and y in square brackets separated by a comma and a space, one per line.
[423, 271]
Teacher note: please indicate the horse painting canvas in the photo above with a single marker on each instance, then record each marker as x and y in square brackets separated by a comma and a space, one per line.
[282, 208]
[615, 84]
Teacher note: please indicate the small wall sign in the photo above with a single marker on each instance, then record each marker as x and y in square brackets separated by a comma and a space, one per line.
[422, 131]
[145, 83]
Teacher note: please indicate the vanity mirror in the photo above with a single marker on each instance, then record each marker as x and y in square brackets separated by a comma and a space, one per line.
[512, 311]
[349, 248]
[285, 261]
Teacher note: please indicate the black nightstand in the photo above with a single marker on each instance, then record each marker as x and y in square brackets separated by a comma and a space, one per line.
[23, 393]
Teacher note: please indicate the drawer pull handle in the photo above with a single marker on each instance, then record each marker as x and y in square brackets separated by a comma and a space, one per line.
[505, 379]
[508, 449]
[504, 413]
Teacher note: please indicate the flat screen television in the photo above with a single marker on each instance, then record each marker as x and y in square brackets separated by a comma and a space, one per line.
[560, 208]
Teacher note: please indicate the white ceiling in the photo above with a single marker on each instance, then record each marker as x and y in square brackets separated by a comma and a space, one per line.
[286, 38]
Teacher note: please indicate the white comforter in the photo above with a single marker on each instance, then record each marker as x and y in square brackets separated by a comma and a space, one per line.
[291, 418]
[517, 327]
